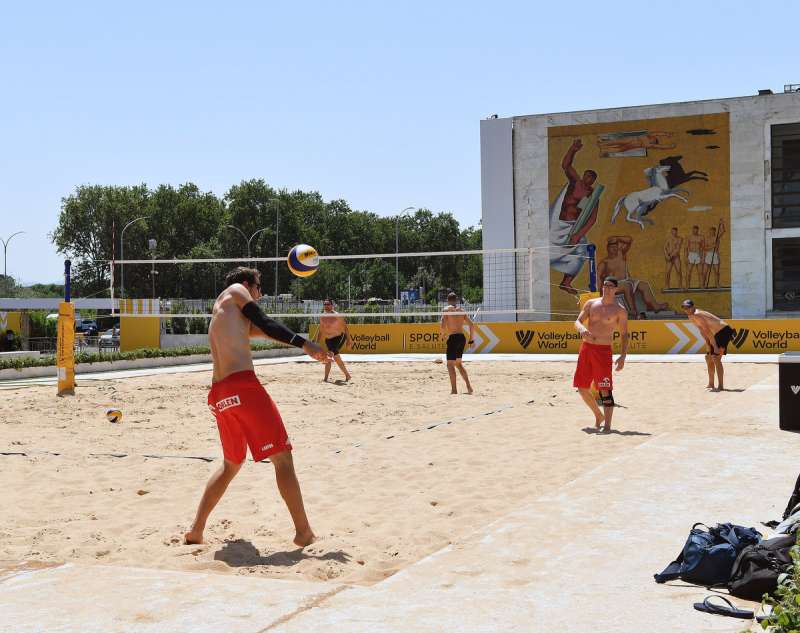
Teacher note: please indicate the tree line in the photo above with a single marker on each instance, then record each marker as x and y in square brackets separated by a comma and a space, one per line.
[187, 223]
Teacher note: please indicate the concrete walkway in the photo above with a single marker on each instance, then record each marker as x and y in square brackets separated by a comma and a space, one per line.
[580, 559]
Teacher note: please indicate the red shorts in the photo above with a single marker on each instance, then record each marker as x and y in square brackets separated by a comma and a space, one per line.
[246, 416]
[594, 364]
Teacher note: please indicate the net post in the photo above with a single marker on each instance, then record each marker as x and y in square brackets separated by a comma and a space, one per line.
[592, 268]
[65, 343]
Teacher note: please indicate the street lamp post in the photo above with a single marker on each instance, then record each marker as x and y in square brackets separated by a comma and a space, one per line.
[396, 253]
[277, 226]
[5, 250]
[152, 245]
[248, 240]
[122, 256]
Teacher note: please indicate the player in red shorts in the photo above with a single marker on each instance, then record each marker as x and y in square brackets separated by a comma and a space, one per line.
[246, 415]
[604, 316]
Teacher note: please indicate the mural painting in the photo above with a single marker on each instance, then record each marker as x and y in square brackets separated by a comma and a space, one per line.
[654, 198]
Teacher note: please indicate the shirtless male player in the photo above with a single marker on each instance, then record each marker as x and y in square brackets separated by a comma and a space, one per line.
[453, 321]
[604, 316]
[334, 330]
[246, 415]
[717, 334]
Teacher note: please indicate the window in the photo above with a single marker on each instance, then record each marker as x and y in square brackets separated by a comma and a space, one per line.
[786, 273]
[785, 175]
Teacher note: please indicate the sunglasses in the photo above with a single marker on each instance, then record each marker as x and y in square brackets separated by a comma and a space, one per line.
[609, 286]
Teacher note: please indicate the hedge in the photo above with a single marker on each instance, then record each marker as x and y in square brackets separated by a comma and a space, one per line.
[147, 352]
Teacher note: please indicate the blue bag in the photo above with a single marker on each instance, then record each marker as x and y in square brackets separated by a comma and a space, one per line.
[708, 556]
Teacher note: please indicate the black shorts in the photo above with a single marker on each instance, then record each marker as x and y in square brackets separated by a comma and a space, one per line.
[335, 344]
[724, 336]
[455, 346]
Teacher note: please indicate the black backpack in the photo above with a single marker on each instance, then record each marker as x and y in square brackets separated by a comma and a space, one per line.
[708, 556]
[757, 567]
[794, 500]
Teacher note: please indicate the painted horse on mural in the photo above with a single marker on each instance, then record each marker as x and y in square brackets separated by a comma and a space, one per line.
[677, 175]
[639, 203]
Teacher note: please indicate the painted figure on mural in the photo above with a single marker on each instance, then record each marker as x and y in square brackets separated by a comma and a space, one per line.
[616, 265]
[694, 251]
[711, 255]
[677, 175]
[672, 256]
[639, 203]
[572, 215]
[621, 143]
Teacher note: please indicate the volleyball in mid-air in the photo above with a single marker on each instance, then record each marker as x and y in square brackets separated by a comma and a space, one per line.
[114, 415]
[303, 260]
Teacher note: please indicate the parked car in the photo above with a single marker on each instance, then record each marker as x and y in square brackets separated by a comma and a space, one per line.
[109, 338]
[89, 328]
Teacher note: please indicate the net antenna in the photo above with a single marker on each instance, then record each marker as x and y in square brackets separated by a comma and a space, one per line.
[493, 284]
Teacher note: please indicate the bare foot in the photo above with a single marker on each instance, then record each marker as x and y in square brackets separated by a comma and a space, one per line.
[454, 393]
[301, 539]
[469, 391]
[193, 538]
[347, 377]
[606, 429]
[598, 421]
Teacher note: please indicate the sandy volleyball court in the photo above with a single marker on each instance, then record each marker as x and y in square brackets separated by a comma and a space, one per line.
[382, 488]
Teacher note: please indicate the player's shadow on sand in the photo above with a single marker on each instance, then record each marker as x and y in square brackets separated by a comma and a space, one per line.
[241, 553]
[590, 430]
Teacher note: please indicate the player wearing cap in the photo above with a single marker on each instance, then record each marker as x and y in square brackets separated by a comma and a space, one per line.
[717, 334]
[453, 321]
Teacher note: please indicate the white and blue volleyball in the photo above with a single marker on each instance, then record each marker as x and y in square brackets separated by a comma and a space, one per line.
[303, 260]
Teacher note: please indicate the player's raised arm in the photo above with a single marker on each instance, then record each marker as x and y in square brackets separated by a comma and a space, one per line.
[270, 327]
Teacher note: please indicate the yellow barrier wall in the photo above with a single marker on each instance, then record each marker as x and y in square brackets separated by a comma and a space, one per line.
[11, 321]
[139, 332]
[761, 336]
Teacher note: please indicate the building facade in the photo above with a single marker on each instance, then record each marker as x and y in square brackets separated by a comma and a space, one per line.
[698, 199]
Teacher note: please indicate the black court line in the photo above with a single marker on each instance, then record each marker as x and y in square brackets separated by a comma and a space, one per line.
[212, 459]
[113, 455]
[446, 422]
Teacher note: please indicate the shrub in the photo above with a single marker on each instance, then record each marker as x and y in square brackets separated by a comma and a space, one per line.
[785, 616]
[148, 352]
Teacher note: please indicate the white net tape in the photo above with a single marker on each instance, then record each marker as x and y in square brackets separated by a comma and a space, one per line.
[385, 287]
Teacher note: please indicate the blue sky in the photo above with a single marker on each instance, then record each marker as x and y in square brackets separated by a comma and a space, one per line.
[375, 103]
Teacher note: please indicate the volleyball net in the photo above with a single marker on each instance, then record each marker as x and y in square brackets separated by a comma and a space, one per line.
[496, 284]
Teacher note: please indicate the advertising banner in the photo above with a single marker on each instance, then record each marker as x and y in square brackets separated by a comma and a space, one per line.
[756, 336]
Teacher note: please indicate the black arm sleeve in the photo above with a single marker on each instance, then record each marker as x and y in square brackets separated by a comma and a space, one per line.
[270, 327]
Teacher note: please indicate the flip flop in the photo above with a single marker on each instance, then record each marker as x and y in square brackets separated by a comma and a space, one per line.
[706, 606]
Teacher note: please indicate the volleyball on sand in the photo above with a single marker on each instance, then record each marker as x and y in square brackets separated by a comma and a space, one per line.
[114, 415]
[303, 260]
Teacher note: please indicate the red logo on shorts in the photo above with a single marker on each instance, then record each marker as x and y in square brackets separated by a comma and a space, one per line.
[227, 403]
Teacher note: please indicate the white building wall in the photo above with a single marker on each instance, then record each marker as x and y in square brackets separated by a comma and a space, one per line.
[750, 118]
[497, 209]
